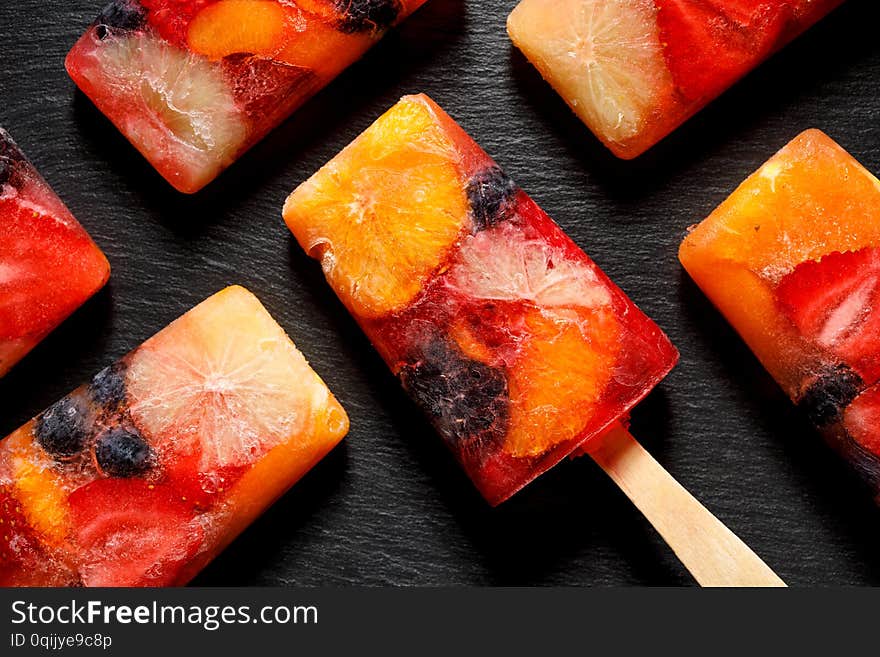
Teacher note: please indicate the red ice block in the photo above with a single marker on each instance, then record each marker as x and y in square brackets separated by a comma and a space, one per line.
[194, 83]
[49, 266]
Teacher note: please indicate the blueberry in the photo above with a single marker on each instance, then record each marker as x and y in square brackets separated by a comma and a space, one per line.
[108, 387]
[366, 15]
[123, 453]
[829, 394]
[122, 15]
[466, 400]
[63, 429]
[491, 194]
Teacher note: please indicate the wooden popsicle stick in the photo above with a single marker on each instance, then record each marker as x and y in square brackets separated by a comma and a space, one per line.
[712, 553]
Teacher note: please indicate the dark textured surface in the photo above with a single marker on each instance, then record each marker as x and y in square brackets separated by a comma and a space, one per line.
[389, 506]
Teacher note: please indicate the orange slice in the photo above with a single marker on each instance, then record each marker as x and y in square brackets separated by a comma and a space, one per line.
[382, 215]
[38, 488]
[604, 57]
[810, 199]
[232, 26]
[225, 382]
[559, 379]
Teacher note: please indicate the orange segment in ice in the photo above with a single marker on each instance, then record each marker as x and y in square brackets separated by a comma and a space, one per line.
[793, 209]
[383, 214]
[231, 26]
[559, 377]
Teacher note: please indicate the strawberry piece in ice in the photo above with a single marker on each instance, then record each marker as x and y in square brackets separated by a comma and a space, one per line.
[132, 533]
[709, 45]
[833, 301]
[862, 420]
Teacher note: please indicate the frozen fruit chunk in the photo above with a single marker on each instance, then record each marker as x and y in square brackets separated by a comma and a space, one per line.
[193, 84]
[133, 533]
[513, 343]
[177, 109]
[832, 301]
[634, 70]
[829, 393]
[604, 57]
[709, 45]
[49, 266]
[792, 259]
[492, 195]
[466, 399]
[403, 208]
[145, 474]
[862, 421]
[238, 26]
[219, 385]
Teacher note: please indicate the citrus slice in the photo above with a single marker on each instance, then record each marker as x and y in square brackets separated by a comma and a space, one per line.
[383, 213]
[604, 57]
[40, 490]
[232, 26]
[175, 107]
[559, 378]
[809, 200]
[224, 382]
[503, 264]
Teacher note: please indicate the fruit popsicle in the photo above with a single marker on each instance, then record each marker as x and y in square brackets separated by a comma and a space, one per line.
[792, 260]
[515, 345]
[193, 84]
[49, 266]
[511, 340]
[145, 474]
[634, 70]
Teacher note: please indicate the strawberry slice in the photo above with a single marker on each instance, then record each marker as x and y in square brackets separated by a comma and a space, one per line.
[862, 420]
[48, 266]
[710, 44]
[833, 301]
[132, 533]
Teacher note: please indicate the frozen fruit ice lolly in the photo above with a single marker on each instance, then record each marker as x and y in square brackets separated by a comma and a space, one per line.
[145, 474]
[504, 332]
[511, 340]
[792, 259]
[195, 83]
[634, 70]
[49, 266]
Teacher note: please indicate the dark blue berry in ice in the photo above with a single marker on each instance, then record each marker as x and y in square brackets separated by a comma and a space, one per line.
[829, 394]
[63, 429]
[120, 15]
[366, 15]
[491, 193]
[123, 453]
[466, 400]
[108, 387]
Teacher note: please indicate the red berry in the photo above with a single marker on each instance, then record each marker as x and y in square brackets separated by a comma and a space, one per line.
[834, 302]
[709, 45]
[131, 533]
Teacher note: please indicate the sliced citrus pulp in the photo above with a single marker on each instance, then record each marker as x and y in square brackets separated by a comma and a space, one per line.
[810, 199]
[382, 215]
[225, 382]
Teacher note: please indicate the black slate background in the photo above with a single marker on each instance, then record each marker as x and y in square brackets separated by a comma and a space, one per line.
[389, 506]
